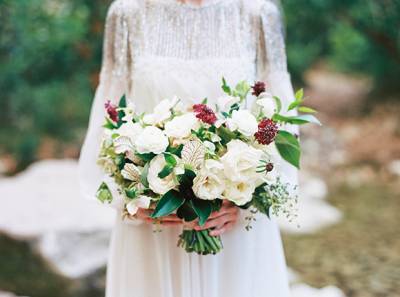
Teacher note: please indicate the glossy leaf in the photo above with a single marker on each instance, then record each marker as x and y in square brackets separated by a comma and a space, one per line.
[203, 209]
[168, 203]
[288, 147]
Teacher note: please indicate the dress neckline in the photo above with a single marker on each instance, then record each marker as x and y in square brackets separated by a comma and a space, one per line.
[206, 3]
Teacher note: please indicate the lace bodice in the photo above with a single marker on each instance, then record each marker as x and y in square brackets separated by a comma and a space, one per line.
[157, 49]
[227, 36]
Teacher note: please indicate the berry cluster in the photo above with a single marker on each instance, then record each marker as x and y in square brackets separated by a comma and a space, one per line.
[204, 113]
[258, 88]
[111, 111]
[267, 130]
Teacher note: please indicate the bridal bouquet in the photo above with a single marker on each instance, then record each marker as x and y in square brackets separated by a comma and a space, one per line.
[187, 159]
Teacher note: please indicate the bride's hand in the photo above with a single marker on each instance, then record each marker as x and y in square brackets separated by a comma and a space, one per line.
[222, 220]
[170, 220]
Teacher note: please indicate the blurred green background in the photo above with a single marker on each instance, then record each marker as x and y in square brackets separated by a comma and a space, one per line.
[346, 52]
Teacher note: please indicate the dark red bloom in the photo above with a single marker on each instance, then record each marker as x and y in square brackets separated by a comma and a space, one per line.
[204, 113]
[258, 88]
[267, 130]
[111, 111]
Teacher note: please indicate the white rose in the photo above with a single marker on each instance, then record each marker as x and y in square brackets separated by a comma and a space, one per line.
[151, 140]
[181, 126]
[243, 121]
[140, 202]
[267, 104]
[239, 193]
[156, 184]
[161, 112]
[225, 103]
[209, 182]
[130, 129]
[241, 161]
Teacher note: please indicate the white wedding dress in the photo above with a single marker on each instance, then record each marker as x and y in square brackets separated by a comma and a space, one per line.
[155, 49]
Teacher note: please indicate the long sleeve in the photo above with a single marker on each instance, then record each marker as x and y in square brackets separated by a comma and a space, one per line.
[272, 68]
[114, 82]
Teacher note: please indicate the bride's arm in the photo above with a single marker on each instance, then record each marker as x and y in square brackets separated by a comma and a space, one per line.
[272, 68]
[114, 82]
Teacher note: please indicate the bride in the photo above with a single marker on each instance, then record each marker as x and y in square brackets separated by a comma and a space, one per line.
[157, 49]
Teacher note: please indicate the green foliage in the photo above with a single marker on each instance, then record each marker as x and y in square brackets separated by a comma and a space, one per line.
[49, 54]
[168, 203]
[288, 147]
[358, 36]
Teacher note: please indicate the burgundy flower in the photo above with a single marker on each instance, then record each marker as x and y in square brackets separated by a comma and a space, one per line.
[258, 88]
[111, 111]
[267, 130]
[204, 113]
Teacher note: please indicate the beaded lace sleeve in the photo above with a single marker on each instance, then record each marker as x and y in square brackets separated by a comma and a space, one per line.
[114, 82]
[272, 67]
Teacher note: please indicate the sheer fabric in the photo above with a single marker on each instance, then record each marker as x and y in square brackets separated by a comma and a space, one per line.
[155, 49]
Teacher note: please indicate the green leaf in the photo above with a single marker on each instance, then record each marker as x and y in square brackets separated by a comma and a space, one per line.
[225, 87]
[299, 95]
[203, 209]
[131, 193]
[103, 194]
[306, 109]
[278, 103]
[186, 179]
[242, 89]
[204, 101]
[143, 177]
[288, 147]
[168, 203]
[186, 212]
[146, 157]
[175, 150]
[122, 102]
[167, 170]
[296, 120]
[170, 159]
[109, 124]
[225, 134]
[294, 104]
[304, 119]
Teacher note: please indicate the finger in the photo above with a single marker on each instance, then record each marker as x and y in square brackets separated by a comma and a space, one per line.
[171, 218]
[224, 211]
[221, 230]
[170, 224]
[216, 222]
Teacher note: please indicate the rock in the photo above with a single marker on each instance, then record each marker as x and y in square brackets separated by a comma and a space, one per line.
[43, 203]
[394, 167]
[7, 294]
[303, 290]
[314, 213]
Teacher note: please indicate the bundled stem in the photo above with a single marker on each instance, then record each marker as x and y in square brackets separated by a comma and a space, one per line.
[200, 242]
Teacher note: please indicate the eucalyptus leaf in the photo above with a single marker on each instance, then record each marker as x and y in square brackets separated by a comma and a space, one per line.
[288, 147]
[168, 203]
